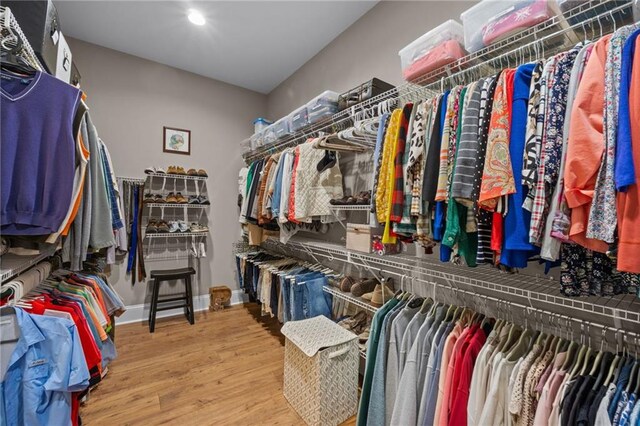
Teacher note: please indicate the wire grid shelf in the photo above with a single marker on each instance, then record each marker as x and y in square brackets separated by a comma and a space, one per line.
[176, 235]
[350, 298]
[531, 291]
[9, 21]
[13, 264]
[174, 176]
[549, 37]
[351, 208]
[177, 205]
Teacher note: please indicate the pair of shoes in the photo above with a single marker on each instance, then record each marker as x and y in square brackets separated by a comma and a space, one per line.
[176, 170]
[365, 285]
[199, 172]
[157, 226]
[196, 227]
[155, 171]
[356, 323]
[346, 283]
[178, 226]
[362, 199]
[176, 198]
[198, 199]
[153, 198]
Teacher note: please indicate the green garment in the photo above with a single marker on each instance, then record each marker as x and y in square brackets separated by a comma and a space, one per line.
[372, 350]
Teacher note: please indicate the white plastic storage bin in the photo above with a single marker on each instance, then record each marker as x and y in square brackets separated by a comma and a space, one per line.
[282, 128]
[438, 47]
[299, 118]
[321, 362]
[322, 106]
[269, 135]
[493, 20]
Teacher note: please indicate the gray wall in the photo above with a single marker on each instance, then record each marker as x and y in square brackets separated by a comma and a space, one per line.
[369, 48]
[131, 99]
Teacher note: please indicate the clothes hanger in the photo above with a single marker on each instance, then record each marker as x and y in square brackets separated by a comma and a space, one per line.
[519, 349]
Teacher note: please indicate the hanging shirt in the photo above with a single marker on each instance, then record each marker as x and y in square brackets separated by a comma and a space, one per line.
[383, 195]
[37, 153]
[586, 146]
[517, 248]
[628, 202]
[603, 221]
[497, 177]
[46, 365]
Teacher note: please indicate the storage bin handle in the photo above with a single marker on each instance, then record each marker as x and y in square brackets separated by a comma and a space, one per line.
[339, 353]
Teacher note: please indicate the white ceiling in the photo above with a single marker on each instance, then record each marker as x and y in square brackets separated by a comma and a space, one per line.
[252, 44]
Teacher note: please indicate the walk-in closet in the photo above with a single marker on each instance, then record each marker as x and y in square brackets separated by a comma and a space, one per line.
[406, 213]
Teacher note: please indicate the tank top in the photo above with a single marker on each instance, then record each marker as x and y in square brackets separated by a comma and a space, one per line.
[37, 153]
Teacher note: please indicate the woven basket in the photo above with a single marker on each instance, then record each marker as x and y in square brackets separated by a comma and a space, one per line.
[321, 371]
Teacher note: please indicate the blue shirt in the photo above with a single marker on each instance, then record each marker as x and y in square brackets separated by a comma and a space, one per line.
[47, 364]
[517, 248]
[624, 173]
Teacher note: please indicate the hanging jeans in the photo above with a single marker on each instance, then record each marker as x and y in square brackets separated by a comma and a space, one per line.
[316, 301]
[298, 295]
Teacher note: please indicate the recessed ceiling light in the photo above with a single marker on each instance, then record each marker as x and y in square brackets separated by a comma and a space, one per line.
[196, 17]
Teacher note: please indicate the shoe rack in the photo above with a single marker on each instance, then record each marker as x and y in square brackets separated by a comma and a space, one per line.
[175, 245]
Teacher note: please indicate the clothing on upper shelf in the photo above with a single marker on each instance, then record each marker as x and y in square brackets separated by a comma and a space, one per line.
[529, 164]
[465, 368]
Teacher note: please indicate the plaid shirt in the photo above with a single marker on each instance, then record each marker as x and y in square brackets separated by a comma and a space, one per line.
[397, 204]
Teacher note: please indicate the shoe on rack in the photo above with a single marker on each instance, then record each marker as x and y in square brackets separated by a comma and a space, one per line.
[192, 172]
[193, 199]
[346, 283]
[181, 199]
[183, 226]
[204, 200]
[172, 170]
[173, 226]
[171, 198]
[363, 286]
[196, 227]
[150, 170]
[152, 226]
[163, 227]
[149, 198]
[202, 173]
[160, 171]
[158, 198]
[180, 171]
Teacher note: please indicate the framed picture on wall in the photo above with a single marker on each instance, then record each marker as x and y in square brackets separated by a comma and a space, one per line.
[176, 141]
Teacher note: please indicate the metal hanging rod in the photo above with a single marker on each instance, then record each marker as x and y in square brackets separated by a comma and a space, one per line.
[506, 50]
[174, 176]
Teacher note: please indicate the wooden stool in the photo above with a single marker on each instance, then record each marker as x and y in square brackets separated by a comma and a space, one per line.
[187, 298]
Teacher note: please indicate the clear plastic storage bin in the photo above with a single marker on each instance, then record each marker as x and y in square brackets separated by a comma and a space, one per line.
[322, 106]
[269, 135]
[282, 127]
[299, 118]
[493, 20]
[256, 140]
[259, 124]
[438, 47]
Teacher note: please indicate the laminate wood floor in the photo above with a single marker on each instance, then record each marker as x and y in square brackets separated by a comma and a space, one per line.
[226, 369]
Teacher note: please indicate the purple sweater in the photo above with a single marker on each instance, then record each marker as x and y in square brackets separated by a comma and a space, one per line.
[37, 154]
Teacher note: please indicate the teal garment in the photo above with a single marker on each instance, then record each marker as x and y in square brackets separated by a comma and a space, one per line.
[376, 413]
[372, 350]
[456, 222]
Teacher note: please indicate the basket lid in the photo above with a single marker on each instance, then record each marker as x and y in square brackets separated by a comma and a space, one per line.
[314, 334]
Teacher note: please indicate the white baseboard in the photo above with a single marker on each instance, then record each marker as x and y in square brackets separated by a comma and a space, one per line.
[140, 313]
